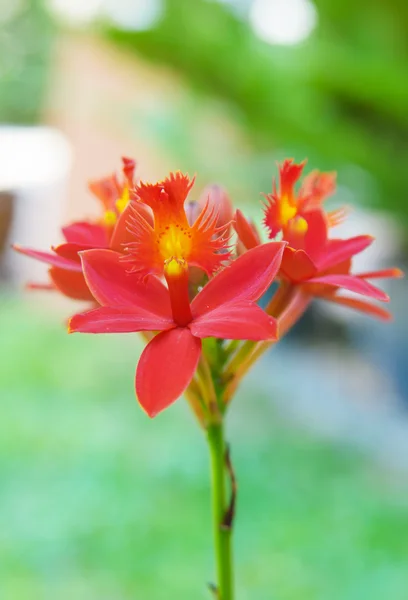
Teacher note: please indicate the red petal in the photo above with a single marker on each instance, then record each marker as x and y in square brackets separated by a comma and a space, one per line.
[316, 234]
[353, 284]
[117, 320]
[107, 189]
[247, 278]
[245, 231]
[289, 173]
[382, 274]
[112, 285]
[71, 284]
[316, 187]
[272, 220]
[297, 265]
[85, 233]
[129, 167]
[244, 321]
[169, 194]
[361, 305]
[49, 258]
[338, 251]
[166, 367]
[32, 285]
[70, 251]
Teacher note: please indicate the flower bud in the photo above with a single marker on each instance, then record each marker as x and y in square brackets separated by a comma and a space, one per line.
[218, 197]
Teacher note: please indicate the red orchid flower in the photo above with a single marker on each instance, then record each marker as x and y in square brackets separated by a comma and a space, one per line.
[322, 266]
[284, 204]
[225, 308]
[110, 231]
[154, 248]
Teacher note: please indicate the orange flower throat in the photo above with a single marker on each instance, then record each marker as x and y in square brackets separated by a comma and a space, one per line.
[171, 240]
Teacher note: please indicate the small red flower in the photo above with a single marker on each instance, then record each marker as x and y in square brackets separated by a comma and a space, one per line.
[110, 231]
[322, 266]
[225, 308]
[171, 238]
[284, 204]
[114, 194]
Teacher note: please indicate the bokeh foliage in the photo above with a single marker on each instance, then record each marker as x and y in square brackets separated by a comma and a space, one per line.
[26, 36]
[340, 98]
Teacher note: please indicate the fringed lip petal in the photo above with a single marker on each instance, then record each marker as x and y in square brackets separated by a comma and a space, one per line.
[340, 250]
[165, 369]
[49, 258]
[122, 234]
[88, 234]
[271, 218]
[111, 284]
[316, 187]
[243, 321]
[351, 283]
[170, 193]
[247, 278]
[71, 284]
[289, 174]
[117, 320]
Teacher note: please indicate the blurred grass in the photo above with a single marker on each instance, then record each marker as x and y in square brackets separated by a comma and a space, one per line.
[99, 502]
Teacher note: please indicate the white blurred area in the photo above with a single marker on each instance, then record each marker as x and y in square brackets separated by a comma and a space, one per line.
[283, 22]
[134, 15]
[35, 165]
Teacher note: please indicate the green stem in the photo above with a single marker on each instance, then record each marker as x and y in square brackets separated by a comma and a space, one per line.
[222, 530]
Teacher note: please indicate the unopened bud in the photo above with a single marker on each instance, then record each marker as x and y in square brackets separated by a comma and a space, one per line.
[193, 210]
[219, 198]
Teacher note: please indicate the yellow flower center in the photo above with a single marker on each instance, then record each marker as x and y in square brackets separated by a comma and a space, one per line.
[122, 202]
[111, 216]
[175, 267]
[175, 243]
[287, 211]
[176, 274]
[298, 226]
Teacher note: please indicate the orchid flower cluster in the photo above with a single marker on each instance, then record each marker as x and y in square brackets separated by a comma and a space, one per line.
[189, 274]
[160, 263]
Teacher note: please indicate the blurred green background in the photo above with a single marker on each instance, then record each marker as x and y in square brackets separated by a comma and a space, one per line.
[99, 502]
[96, 500]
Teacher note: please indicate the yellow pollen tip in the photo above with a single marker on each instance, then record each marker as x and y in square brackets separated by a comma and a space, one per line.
[299, 225]
[109, 218]
[287, 211]
[175, 243]
[175, 267]
[122, 202]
